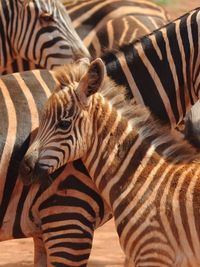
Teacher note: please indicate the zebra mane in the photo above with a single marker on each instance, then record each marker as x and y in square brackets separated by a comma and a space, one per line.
[147, 126]
[139, 117]
[70, 73]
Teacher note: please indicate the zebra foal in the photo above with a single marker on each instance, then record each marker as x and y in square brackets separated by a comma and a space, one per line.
[150, 182]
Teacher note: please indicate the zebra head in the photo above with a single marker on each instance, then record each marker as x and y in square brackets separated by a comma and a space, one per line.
[65, 133]
[42, 33]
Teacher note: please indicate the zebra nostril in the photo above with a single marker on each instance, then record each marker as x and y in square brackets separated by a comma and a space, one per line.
[26, 167]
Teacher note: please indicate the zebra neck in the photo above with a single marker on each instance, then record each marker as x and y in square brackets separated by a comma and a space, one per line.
[124, 149]
[8, 18]
[111, 147]
[161, 70]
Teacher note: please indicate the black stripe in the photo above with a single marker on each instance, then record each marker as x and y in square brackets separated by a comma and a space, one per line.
[115, 71]
[77, 235]
[187, 53]
[68, 201]
[3, 123]
[144, 81]
[69, 256]
[32, 29]
[195, 38]
[48, 79]
[71, 245]
[17, 231]
[65, 217]
[23, 131]
[36, 89]
[162, 67]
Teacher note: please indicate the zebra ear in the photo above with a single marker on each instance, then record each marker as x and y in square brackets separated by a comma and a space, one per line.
[92, 81]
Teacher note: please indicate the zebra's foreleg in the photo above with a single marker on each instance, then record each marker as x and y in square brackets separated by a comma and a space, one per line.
[40, 255]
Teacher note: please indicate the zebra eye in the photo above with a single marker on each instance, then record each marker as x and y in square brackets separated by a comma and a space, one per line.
[64, 124]
[46, 17]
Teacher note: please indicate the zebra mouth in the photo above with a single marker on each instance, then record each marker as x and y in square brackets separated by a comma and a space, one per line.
[40, 173]
[31, 176]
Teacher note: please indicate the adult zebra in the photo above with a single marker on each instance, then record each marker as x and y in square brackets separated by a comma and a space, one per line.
[138, 18]
[150, 181]
[60, 218]
[36, 33]
[161, 70]
[108, 24]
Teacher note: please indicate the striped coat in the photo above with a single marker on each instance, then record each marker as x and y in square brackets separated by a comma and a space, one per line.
[29, 222]
[107, 24]
[150, 181]
[59, 216]
[36, 34]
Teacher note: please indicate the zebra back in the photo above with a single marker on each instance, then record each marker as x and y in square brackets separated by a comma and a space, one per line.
[108, 24]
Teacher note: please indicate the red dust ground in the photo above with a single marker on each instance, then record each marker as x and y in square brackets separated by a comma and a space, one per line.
[106, 250]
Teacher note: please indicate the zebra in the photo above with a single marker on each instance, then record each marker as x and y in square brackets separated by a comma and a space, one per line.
[149, 180]
[180, 27]
[114, 59]
[107, 24]
[138, 19]
[22, 223]
[60, 214]
[36, 34]
[161, 70]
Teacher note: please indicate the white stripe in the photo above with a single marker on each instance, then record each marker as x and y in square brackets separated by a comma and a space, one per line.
[30, 101]
[158, 84]
[136, 93]
[134, 203]
[10, 138]
[138, 172]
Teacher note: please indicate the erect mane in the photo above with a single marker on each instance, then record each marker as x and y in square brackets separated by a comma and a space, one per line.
[148, 127]
[70, 73]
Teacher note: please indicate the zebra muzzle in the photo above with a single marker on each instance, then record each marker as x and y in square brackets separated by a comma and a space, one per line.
[33, 174]
[31, 171]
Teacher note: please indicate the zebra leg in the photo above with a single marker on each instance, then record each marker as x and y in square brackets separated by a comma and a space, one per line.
[69, 247]
[40, 255]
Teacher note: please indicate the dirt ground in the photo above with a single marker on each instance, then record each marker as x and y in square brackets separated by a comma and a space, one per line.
[19, 253]
[106, 250]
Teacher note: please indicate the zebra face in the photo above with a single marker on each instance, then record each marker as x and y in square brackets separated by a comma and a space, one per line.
[65, 132]
[45, 35]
